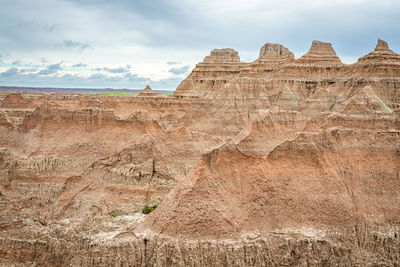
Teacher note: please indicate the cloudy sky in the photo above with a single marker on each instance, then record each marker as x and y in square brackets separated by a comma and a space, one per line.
[131, 43]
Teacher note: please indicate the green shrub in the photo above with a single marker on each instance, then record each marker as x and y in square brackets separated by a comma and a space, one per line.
[147, 209]
[114, 214]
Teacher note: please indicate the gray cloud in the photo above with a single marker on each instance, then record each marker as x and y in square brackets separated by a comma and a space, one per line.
[179, 70]
[26, 70]
[219, 23]
[50, 28]
[134, 77]
[9, 73]
[116, 70]
[96, 80]
[46, 72]
[56, 66]
[36, 26]
[76, 44]
[185, 31]
[172, 62]
[169, 83]
[97, 76]
[79, 65]
[51, 69]
[16, 62]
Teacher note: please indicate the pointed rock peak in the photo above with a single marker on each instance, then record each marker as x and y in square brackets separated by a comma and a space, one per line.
[224, 55]
[317, 43]
[381, 54]
[272, 48]
[274, 53]
[381, 45]
[148, 89]
[148, 92]
[320, 53]
[224, 52]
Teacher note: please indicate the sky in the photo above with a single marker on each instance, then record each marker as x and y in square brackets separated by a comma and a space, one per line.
[132, 43]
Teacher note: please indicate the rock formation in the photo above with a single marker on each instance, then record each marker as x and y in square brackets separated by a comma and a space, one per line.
[280, 161]
[273, 54]
[148, 92]
[225, 55]
[382, 53]
[364, 102]
[215, 70]
[320, 53]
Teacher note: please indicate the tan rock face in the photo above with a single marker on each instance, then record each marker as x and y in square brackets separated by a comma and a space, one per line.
[149, 92]
[224, 55]
[274, 162]
[381, 54]
[214, 72]
[364, 102]
[274, 54]
[320, 53]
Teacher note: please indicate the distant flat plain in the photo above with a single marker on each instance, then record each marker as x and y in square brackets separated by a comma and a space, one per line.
[90, 91]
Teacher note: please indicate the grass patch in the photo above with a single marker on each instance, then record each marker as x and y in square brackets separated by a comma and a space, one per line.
[147, 209]
[112, 93]
[114, 215]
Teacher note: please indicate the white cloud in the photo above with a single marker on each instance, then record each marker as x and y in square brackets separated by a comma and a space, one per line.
[76, 44]
[179, 70]
[105, 35]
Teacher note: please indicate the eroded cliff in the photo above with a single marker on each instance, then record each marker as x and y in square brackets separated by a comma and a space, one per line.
[280, 161]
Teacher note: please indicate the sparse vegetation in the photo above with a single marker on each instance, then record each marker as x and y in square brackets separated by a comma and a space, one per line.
[119, 93]
[114, 214]
[112, 93]
[147, 209]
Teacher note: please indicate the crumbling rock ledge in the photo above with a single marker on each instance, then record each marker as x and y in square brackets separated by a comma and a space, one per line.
[279, 161]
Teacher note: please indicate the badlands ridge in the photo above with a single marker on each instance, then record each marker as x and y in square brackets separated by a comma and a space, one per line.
[280, 161]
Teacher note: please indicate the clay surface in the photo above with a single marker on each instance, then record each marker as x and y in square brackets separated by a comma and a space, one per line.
[279, 161]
